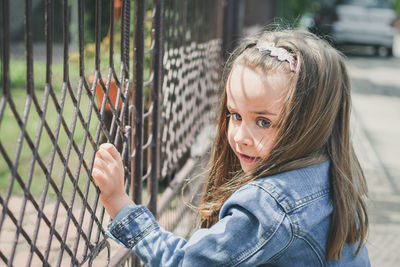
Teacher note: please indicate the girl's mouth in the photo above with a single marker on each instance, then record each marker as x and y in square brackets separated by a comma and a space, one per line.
[248, 159]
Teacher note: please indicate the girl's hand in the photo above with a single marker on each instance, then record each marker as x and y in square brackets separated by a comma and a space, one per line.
[108, 173]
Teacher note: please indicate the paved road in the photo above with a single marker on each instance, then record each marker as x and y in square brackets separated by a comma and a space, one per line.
[376, 131]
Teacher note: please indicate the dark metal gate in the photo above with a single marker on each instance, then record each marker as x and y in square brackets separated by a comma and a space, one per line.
[158, 66]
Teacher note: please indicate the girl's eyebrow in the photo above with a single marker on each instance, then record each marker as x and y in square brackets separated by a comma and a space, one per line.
[261, 112]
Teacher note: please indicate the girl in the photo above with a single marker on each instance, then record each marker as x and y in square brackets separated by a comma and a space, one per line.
[284, 188]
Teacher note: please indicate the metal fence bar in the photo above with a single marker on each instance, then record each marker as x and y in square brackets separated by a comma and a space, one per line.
[138, 95]
[5, 54]
[5, 78]
[156, 88]
[29, 87]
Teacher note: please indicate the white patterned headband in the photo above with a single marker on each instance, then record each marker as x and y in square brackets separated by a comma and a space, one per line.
[281, 53]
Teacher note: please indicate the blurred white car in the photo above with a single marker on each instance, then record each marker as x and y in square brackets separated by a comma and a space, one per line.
[359, 22]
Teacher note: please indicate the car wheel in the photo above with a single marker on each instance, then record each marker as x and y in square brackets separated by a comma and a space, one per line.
[383, 51]
[390, 52]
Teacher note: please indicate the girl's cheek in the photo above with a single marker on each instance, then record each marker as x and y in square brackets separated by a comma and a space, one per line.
[230, 135]
[264, 141]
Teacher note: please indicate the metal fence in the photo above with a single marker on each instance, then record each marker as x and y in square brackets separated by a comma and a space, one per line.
[149, 86]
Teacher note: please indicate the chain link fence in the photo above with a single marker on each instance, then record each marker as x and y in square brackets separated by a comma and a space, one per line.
[147, 81]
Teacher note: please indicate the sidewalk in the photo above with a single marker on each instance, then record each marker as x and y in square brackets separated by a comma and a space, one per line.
[376, 132]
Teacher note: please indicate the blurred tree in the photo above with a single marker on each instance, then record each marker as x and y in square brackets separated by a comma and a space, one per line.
[291, 11]
[396, 6]
[90, 19]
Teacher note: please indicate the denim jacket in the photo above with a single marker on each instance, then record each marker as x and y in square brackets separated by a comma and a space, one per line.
[280, 220]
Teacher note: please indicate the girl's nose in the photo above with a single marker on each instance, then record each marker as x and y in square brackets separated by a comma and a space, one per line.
[242, 135]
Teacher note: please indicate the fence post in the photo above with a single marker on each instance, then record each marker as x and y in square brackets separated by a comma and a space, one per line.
[5, 49]
[157, 85]
[232, 25]
[138, 73]
[138, 77]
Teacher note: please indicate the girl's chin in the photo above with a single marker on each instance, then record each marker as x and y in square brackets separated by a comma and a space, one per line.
[249, 164]
[248, 167]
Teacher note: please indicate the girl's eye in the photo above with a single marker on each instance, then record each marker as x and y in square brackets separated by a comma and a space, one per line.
[263, 123]
[236, 117]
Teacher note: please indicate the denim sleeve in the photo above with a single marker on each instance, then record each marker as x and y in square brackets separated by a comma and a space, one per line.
[252, 230]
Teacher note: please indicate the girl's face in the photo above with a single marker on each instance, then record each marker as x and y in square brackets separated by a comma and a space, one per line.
[254, 101]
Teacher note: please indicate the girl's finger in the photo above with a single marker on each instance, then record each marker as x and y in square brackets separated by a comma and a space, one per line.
[99, 163]
[95, 176]
[112, 150]
[98, 154]
[98, 177]
[105, 155]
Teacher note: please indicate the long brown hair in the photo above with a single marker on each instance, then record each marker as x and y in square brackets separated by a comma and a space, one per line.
[314, 127]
